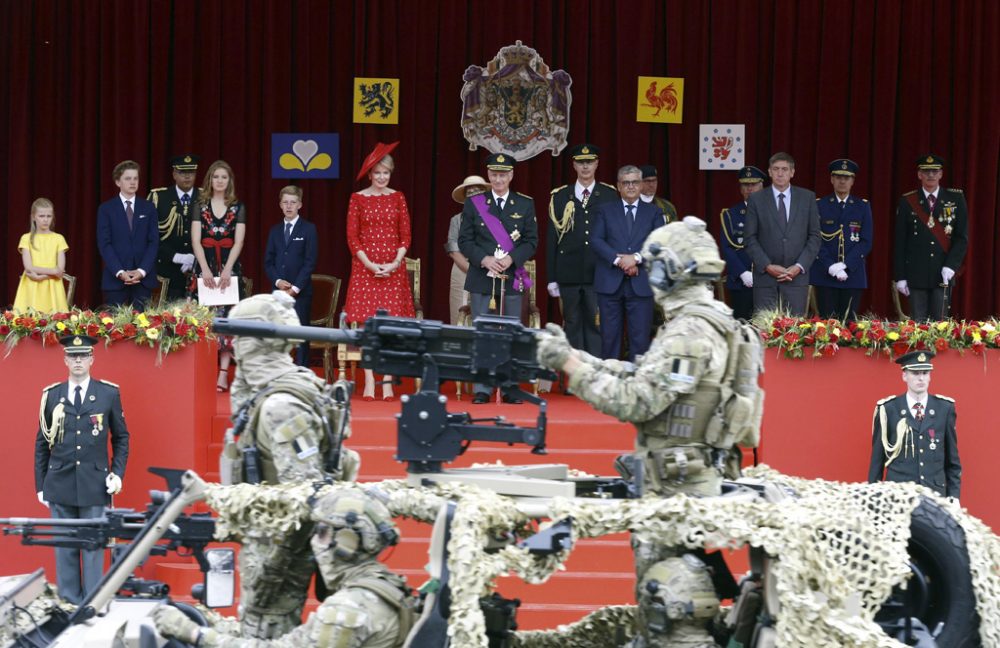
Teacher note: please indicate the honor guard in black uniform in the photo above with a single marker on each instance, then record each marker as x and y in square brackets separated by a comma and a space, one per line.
[647, 193]
[74, 475]
[914, 437]
[739, 273]
[845, 223]
[174, 206]
[569, 261]
[932, 235]
[498, 235]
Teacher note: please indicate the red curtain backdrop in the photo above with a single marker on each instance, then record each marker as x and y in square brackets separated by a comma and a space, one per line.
[91, 83]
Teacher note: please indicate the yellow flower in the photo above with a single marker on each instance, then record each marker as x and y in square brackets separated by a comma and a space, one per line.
[177, 312]
[60, 326]
[976, 337]
[805, 326]
[107, 320]
[836, 332]
[942, 326]
[194, 320]
[820, 325]
[152, 333]
[143, 322]
[892, 335]
[862, 326]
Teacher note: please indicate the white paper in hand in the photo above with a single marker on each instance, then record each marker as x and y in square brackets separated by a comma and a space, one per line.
[216, 297]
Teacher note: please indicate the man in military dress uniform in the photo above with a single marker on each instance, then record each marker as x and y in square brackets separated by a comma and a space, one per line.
[74, 477]
[293, 424]
[931, 239]
[647, 194]
[672, 396]
[914, 435]
[498, 235]
[174, 206]
[845, 224]
[370, 606]
[569, 261]
[739, 273]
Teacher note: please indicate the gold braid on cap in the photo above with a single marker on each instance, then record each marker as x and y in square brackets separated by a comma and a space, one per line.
[564, 224]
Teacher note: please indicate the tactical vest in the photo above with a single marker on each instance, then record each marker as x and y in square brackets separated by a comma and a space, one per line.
[393, 590]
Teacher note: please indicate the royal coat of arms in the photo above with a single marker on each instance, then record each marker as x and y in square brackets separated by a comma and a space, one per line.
[516, 104]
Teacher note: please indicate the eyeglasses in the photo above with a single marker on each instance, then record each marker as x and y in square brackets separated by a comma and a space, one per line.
[630, 183]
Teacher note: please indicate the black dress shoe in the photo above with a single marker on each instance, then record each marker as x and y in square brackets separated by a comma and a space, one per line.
[512, 400]
[480, 398]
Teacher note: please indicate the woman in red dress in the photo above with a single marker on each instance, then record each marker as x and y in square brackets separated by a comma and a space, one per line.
[378, 235]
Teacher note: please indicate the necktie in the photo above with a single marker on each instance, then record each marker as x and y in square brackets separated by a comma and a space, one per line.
[843, 204]
[129, 214]
[931, 201]
[499, 204]
[782, 210]
[185, 199]
[586, 196]
[631, 217]
[918, 411]
[77, 401]
[288, 232]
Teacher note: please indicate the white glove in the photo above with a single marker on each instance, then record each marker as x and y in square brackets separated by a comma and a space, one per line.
[747, 278]
[836, 269]
[946, 274]
[114, 483]
[185, 261]
[903, 287]
[41, 499]
[841, 276]
[553, 289]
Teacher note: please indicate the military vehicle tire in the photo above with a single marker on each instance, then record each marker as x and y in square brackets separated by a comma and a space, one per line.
[940, 589]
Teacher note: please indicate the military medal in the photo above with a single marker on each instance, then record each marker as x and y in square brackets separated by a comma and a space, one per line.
[515, 235]
[933, 445]
[91, 398]
[97, 421]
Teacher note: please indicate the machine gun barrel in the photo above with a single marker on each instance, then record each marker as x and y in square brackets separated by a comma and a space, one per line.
[257, 329]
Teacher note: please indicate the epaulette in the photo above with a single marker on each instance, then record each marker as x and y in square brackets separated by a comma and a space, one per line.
[885, 400]
[864, 200]
[910, 193]
[947, 398]
[819, 199]
[108, 382]
[47, 388]
[157, 189]
[610, 186]
[558, 189]
[524, 195]
[955, 190]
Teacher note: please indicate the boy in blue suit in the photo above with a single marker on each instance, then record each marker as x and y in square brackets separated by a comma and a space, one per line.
[621, 283]
[127, 239]
[845, 223]
[290, 258]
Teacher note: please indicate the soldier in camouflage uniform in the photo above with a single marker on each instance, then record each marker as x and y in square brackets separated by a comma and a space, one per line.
[293, 432]
[672, 395]
[371, 607]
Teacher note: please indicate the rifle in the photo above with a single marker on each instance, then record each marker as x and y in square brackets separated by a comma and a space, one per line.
[497, 351]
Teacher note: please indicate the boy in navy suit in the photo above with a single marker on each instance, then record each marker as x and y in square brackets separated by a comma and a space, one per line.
[128, 240]
[290, 258]
[621, 283]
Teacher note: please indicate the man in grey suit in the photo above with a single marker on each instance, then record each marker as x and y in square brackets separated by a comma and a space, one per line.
[782, 236]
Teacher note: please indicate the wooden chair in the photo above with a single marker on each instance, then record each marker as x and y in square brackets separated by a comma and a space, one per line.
[349, 355]
[70, 282]
[323, 312]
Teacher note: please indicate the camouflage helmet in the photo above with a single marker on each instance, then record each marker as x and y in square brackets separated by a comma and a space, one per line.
[277, 308]
[356, 525]
[680, 252]
[678, 590]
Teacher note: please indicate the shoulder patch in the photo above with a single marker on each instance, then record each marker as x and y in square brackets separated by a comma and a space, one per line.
[558, 189]
[885, 400]
[946, 398]
[524, 195]
[108, 382]
[48, 387]
[910, 193]
[610, 186]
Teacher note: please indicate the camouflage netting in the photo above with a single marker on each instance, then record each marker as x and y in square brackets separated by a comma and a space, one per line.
[28, 618]
[842, 547]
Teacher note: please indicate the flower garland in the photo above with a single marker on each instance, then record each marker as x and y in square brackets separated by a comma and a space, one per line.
[796, 337]
[166, 330]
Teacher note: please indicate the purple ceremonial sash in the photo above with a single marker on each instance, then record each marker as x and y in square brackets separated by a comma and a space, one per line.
[503, 239]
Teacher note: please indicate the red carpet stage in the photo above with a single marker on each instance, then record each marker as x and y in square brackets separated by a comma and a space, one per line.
[817, 424]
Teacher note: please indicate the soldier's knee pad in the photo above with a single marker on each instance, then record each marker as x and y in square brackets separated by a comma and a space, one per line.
[676, 591]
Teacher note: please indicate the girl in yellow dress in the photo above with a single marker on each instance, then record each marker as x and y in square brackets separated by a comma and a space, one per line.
[44, 255]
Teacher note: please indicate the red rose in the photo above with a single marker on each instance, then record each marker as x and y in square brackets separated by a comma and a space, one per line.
[93, 329]
[155, 321]
[808, 340]
[129, 329]
[168, 317]
[899, 348]
[845, 334]
[51, 338]
[791, 337]
[940, 344]
[87, 313]
[42, 323]
[4, 329]
[182, 329]
[109, 325]
[35, 335]
[103, 314]
[60, 317]
[924, 327]
[8, 314]
[978, 348]
[117, 335]
[829, 350]
[877, 334]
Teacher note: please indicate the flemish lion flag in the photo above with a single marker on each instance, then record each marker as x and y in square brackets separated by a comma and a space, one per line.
[660, 100]
[376, 101]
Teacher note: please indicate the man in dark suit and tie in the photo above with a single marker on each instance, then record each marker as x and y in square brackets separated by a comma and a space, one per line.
[782, 236]
[498, 235]
[128, 240]
[621, 281]
[174, 205]
[931, 238]
[290, 258]
[73, 475]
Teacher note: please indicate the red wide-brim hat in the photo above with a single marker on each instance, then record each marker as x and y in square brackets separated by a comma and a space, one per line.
[381, 150]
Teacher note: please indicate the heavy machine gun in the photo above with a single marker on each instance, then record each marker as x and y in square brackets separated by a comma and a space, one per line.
[497, 351]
